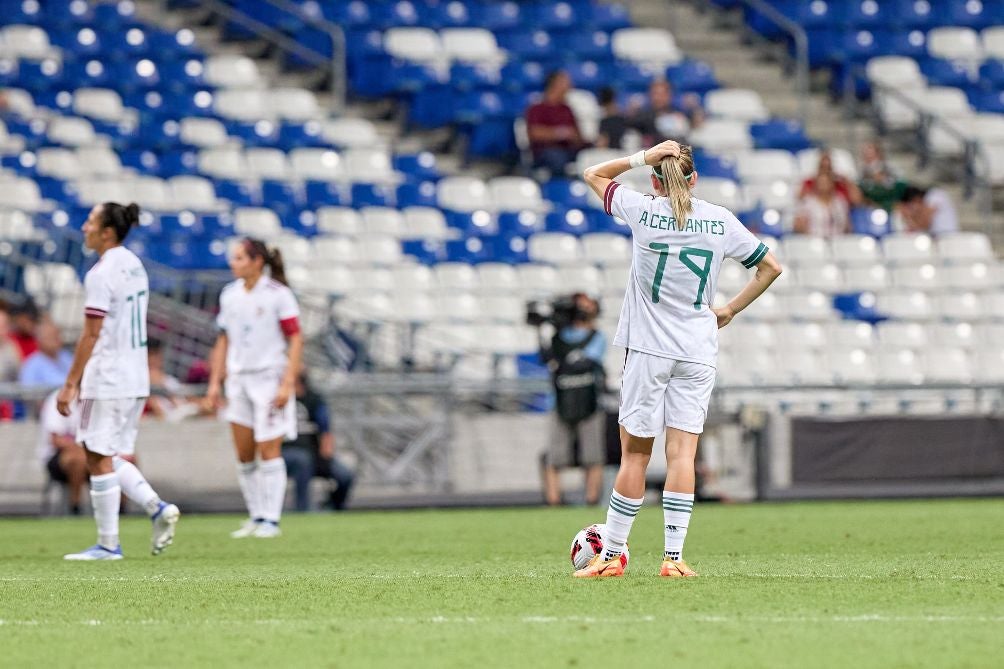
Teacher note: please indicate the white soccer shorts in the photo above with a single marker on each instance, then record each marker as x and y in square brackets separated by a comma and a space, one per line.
[249, 403]
[657, 393]
[109, 427]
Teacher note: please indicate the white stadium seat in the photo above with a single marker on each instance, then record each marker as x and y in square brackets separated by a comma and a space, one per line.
[26, 42]
[903, 334]
[615, 281]
[515, 194]
[413, 308]
[651, 46]
[59, 163]
[874, 278]
[810, 306]
[316, 164]
[748, 335]
[947, 365]
[587, 113]
[723, 192]
[850, 334]
[766, 165]
[368, 166]
[20, 102]
[296, 251]
[722, 135]
[767, 307]
[806, 250]
[855, 250]
[425, 223]
[916, 277]
[741, 104]
[953, 335]
[557, 248]
[100, 103]
[964, 307]
[463, 194]
[71, 131]
[955, 44]
[894, 113]
[226, 162]
[9, 144]
[343, 221]
[498, 278]
[257, 222]
[266, 163]
[458, 307]
[455, 276]
[944, 101]
[852, 366]
[606, 248]
[294, 104]
[99, 160]
[334, 252]
[94, 191]
[350, 132]
[908, 248]
[580, 279]
[964, 246]
[793, 336]
[472, 45]
[975, 276]
[243, 105]
[372, 280]
[895, 72]
[151, 193]
[905, 305]
[203, 132]
[16, 226]
[20, 193]
[382, 221]
[232, 71]
[191, 192]
[379, 250]
[805, 367]
[420, 45]
[413, 278]
[900, 366]
[826, 278]
[993, 42]
[774, 195]
[988, 365]
[537, 281]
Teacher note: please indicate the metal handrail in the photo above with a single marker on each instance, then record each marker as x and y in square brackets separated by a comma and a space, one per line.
[339, 71]
[801, 41]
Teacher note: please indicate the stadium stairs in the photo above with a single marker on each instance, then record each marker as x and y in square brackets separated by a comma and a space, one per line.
[716, 36]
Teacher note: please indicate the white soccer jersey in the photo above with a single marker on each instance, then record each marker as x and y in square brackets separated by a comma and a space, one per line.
[674, 271]
[257, 322]
[116, 290]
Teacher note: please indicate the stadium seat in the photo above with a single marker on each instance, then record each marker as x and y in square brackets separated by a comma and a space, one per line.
[232, 71]
[425, 223]
[239, 104]
[722, 136]
[740, 104]
[472, 45]
[903, 334]
[947, 365]
[316, 164]
[810, 306]
[953, 335]
[964, 246]
[515, 194]
[723, 192]
[294, 104]
[332, 252]
[464, 194]
[860, 278]
[900, 366]
[895, 72]
[652, 46]
[343, 221]
[960, 307]
[257, 222]
[203, 132]
[806, 250]
[916, 277]
[953, 43]
[382, 221]
[498, 278]
[350, 132]
[827, 277]
[99, 103]
[580, 278]
[905, 305]
[852, 366]
[605, 248]
[223, 163]
[191, 192]
[844, 335]
[908, 248]
[379, 250]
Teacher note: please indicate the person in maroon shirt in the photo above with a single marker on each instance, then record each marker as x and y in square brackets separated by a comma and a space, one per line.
[554, 135]
[24, 321]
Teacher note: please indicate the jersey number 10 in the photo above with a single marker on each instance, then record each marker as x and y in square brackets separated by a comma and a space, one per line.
[137, 319]
[687, 254]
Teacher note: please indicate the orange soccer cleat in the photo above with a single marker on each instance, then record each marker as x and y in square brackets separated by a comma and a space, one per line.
[676, 569]
[598, 568]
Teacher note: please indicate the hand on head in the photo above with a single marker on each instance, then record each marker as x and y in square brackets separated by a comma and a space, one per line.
[659, 152]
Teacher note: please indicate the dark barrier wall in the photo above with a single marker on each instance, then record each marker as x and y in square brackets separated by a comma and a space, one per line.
[896, 449]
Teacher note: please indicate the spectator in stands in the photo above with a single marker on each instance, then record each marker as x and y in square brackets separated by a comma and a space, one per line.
[49, 365]
[312, 453]
[879, 184]
[845, 188]
[614, 123]
[578, 427]
[822, 212]
[928, 210]
[551, 126]
[24, 321]
[661, 120]
[64, 459]
[166, 400]
[10, 354]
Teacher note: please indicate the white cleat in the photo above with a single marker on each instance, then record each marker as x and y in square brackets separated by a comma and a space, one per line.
[246, 530]
[96, 552]
[267, 530]
[164, 523]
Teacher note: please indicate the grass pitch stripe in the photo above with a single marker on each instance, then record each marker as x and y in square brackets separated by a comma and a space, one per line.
[623, 508]
[756, 256]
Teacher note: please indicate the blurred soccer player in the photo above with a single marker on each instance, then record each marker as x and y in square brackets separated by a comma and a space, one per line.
[258, 350]
[670, 331]
[109, 375]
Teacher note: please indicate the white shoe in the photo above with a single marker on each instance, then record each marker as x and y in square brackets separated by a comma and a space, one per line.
[96, 552]
[267, 530]
[245, 530]
[164, 522]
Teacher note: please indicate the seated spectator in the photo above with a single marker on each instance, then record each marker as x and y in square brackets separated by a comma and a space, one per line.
[10, 354]
[880, 186]
[929, 211]
[614, 123]
[312, 453]
[166, 400]
[24, 321]
[49, 365]
[551, 126]
[822, 212]
[62, 456]
[660, 120]
[844, 187]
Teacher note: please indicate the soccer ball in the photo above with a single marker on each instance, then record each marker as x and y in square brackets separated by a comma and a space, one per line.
[589, 542]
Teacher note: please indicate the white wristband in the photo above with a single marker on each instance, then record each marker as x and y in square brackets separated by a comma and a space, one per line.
[637, 159]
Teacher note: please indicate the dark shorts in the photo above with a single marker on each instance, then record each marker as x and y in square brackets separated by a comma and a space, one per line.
[56, 472]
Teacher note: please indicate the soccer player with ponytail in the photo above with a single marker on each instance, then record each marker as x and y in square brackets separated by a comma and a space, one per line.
[110, 376]
[258, 351]
[670, 331]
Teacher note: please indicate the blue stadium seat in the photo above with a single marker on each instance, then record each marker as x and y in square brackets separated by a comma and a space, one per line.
[466, 77]
[573, 221]
[990, 101]
[176, 163]
[862, 45]
[869, 14]
[588, 75]
[141, 160]
[634, 76]
[554, 15]
[857, 306]
[372, 195]
[692, 75]
[585, 44]
[281, 196]
[180, 224]
[523, 75]
[709, 165]
[472, 224]
[20, 12]
[918, 14]
[868, 221]
[500, 16]
[173, 45]
[238, 193]
[912, 43]
[992, 72]
[566, 193]
[816, 14]
[974, 14]
[424, 251]
[941, 72]
[780, 134]
[433, 106]
[262, 133]
[520, 223]
[421, 194]
[510, 249]
[353, 14]
[417, 166]
[456, 14]
[528, 45]
[294, 135]
[471, 250]
[762, 221]
[609, 16]
[183, 75]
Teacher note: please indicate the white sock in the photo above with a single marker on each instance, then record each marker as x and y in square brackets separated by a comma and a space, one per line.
[135, 486]
[620, 517]
[273, 487]
[247, 476]
[676, 510]
[106, 497]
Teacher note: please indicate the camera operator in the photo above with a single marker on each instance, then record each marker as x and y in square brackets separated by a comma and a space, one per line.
[575, 359]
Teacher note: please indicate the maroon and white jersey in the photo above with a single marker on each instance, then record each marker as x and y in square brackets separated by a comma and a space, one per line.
[117, 291]
[256, 323]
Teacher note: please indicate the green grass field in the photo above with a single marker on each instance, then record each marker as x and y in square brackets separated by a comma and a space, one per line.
[878, 584]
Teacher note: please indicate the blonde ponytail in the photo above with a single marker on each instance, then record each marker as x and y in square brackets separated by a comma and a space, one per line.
[674, 174]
